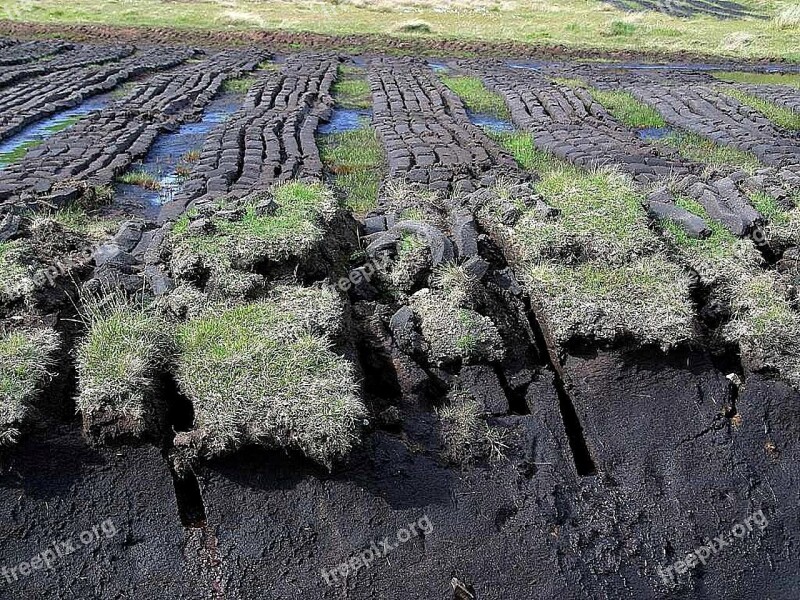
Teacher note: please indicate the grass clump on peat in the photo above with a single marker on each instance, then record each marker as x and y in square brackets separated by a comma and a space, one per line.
[26, 356]
[288, 221]
[780, 116]
[466, 435]
[356, 160]
[596, 269]
[477, 97]
[119, 364]
[140, 178]
[453, 332]
[239, 85]
[266, 374]
[699, 149]
[15, 278]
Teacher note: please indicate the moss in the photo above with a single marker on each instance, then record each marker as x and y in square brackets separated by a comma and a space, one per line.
[119, 364]
[477, 97]
[265, 374]
[26, 356]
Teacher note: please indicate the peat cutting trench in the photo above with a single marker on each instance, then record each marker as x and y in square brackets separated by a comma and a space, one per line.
[553, 356]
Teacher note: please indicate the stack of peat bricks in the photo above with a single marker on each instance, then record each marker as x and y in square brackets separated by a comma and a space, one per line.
[270, 139]
[425, 130]
[102, 146]
[27, 102]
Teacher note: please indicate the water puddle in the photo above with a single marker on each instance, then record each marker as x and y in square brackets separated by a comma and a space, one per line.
[492, 123]
[438, 66]
[15, 147]
[653, 133]
[526, 66]
[345, 119]
[160, 176]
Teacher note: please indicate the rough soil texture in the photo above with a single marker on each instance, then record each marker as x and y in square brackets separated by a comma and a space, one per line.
[616, 461]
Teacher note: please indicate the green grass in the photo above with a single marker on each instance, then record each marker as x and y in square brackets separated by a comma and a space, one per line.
[627, 109]
[790, 79]
[351, 89]
[119, 363]
[697, 148]
[239, 85]
[476, 97]
[264, 373]
[294, 230]
[596, 269]
[140, 178]
[782, 117]
[520, 145]
[572, 23]
[720, 245]
[356, 159]
[25, 359]
[769, 208]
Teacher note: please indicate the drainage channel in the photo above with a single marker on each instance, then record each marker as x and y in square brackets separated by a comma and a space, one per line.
[15, 147]
[166, 164]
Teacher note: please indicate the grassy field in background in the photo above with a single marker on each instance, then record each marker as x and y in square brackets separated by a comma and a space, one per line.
[573, 23]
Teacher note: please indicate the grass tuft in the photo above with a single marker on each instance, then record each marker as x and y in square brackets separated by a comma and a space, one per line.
[265, 374]
[26, 356]
[240, 85]
[141, 178]
[119, 364]
[466, 435]
[418, 27]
